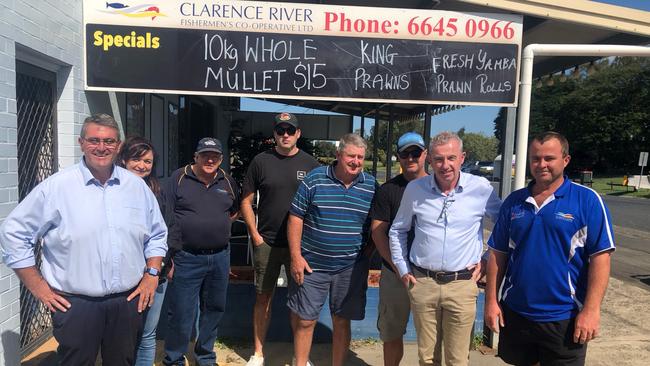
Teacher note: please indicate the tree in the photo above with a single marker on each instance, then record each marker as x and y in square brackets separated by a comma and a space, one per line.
[605, 116]
[399, 128]
[479, 147]
[500, 126]
[324, 150]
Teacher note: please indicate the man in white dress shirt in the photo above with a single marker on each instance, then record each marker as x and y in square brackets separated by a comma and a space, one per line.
[446, 211]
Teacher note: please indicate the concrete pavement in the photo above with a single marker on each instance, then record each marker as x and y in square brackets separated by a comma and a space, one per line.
[624, 340]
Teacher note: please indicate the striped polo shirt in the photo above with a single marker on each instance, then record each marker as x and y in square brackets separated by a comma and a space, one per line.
[335, 218]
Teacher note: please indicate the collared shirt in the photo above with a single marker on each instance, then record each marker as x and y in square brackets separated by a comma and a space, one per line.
[550, 246]
[200, 214]
[95, 237]
[448, 228]
[335, 218]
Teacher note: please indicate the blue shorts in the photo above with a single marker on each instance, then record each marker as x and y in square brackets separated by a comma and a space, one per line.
[346, 289]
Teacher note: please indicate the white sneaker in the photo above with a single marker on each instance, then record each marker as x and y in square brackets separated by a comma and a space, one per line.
[255, 360]
[293, 362]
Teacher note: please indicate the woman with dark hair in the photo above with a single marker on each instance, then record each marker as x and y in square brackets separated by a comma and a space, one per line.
[139, 157]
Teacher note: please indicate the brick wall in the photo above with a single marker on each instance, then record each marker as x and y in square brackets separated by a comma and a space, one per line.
[47, 34]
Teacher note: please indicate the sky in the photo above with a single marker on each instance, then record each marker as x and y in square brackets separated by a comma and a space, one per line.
[636, 4]
[474, 119]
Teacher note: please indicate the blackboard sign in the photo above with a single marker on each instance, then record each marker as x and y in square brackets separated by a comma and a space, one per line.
[282, 50]
[300, 65]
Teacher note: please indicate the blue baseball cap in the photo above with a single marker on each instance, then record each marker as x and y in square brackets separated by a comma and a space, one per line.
[410, 139]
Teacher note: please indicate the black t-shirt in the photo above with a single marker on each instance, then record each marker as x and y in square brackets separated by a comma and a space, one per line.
[386, 203]
[276, 177]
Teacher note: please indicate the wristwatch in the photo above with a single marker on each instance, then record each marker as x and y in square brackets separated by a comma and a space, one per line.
[152, 271]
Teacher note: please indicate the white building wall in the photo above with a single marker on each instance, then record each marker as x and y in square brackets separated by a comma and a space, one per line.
[47, 34]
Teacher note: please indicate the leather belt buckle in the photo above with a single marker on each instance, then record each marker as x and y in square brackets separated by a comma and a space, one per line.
[443, 277]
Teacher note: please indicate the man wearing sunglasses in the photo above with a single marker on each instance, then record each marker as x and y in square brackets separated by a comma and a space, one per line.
[275, 174]
[103, 239]
[441, 268]
[394, 306]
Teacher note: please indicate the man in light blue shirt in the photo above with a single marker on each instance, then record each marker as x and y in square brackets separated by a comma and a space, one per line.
[445, 211]
[103, 239]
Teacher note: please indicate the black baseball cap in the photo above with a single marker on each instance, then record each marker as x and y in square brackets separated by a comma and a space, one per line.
[287, 118]
[209, 144]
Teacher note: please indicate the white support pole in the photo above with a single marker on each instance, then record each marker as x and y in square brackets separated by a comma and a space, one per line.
[525, 89]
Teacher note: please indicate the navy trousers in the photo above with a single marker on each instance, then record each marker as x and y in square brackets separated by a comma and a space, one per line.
[109, 323]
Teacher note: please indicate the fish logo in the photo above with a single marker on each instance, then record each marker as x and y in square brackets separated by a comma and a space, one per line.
[138, 11]
[564, 216]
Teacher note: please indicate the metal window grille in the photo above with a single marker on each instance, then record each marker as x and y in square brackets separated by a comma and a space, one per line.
[35, 97]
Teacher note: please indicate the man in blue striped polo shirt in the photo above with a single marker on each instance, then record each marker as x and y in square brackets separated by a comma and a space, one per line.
[552, 243]
[327, 230]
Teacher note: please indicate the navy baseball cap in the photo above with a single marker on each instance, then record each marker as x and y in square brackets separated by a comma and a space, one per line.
[209, 144]
[410, 139]
[287, 118]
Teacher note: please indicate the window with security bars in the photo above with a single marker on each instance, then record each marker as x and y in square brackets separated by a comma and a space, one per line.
[36, 111]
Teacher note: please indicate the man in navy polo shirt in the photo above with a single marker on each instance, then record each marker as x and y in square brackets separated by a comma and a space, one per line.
[204, 201]
[327, 230]
[552, 242]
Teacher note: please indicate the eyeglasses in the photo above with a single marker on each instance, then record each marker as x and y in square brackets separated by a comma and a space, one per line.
[445, 207]
[95, 141]
[280, 131]
[415, 154]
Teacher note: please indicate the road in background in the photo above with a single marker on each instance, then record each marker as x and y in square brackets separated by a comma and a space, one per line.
[631, 220]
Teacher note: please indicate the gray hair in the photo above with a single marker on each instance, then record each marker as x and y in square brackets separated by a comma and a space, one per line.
[443, 138]
[101, 119]
[351, 139]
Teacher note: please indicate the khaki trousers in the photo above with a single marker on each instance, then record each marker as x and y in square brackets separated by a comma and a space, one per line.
[444, 316]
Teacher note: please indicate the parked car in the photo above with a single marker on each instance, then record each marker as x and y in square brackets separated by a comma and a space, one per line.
[482, 168]
[467, 166]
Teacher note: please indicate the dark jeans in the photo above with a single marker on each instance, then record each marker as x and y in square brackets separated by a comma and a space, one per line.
[110, 323]
[202, 279]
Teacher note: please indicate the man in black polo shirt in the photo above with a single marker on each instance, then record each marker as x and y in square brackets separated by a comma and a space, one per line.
[394, 306]
[204, 201]
[275, 174]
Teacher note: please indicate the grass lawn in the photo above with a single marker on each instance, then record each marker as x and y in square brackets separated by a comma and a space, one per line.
[601, 186]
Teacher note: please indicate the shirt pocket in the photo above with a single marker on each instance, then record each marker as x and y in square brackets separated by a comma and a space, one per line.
[132, 220]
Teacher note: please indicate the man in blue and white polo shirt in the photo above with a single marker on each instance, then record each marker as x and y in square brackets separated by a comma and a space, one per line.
[327, 230]
[552, 242]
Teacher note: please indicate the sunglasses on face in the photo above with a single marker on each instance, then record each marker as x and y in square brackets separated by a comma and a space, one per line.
[280, 131]
[415, 154]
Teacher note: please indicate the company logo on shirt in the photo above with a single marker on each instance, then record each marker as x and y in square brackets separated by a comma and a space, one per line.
[220, 190]
[564, 216]
[517, 215]
[301, 174]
